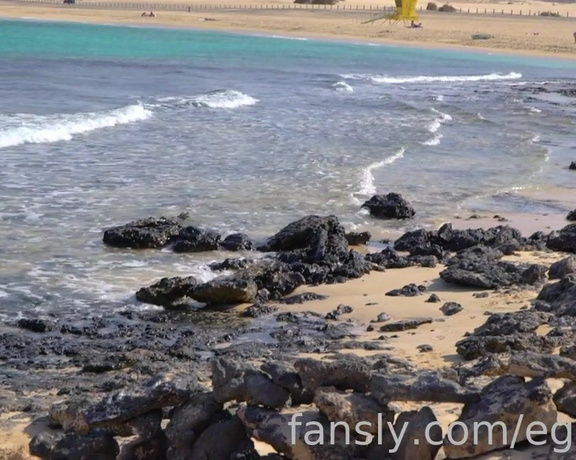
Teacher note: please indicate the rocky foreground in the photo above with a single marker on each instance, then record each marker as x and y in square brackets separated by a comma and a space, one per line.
[156, 386]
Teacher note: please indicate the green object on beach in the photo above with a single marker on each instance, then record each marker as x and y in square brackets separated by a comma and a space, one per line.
[482, 36]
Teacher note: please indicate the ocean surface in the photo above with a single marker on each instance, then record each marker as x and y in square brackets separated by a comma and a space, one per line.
[100, 125]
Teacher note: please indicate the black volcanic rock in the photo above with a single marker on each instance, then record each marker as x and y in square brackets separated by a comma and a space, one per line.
[391, 206]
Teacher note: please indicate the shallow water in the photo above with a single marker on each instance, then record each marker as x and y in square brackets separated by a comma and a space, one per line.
[100, 125]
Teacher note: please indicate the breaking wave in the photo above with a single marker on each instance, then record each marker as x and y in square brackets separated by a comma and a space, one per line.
[343, 87]
[39, 129]
[219, 99]
[432, 79]
[367, 186]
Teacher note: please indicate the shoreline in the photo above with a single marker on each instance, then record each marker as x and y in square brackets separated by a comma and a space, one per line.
[226, 23]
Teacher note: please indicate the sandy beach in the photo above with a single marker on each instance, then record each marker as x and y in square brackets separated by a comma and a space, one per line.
[512, 34]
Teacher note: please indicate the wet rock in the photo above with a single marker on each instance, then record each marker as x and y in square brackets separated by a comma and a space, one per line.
[339, 311]
[274, 429]
[451, 308]
[571, 216]
[245, 383]
[572, 166]
[258, 310]
[168, 291]
[560, 269]
[231, 264]
[433, 299]
[237, 242]
[187, 422]
[143, 234]
[351, 408]
[405, 325]
[222, 441]
[35, 325]
[565, 399]
[420, 428]
[504, 400]
[410, 290]
[391, 206]
[226, 290]
[358, 239]
[61, 446]
[192, 239]
[301, 298]
[426, 386]
[303, 233]
[345, 373]
[564, 240]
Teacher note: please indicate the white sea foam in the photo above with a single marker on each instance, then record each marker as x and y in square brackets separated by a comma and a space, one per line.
[432, 78]
[434, 140]
[284, 37]
[435, 125]
[367, 186]
[38, 129]
[535, 139]
[343, 87]
[535, 110]
[219, 99]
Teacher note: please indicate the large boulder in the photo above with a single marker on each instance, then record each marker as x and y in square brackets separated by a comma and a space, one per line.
[508, 400]
[143, 234]
[168, 291]
[226, 290]
[245, 383]
[426, 386]
[358, 239]
[224, 440]
[560, 269]
[237, 242]
[565, 399]
[564, 240]
[571, 216]
[391, 206]
[70, 446]
[345, 373]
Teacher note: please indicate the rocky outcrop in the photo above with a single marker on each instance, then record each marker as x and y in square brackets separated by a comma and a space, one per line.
[560, 269]
[571, 216]
[167, 292]
[347, 373]
[564, 240]
[391, 206]
[509, 400]
[143, 234]
[192, 239]
[405, 325]
[226, 290]
[237, 242]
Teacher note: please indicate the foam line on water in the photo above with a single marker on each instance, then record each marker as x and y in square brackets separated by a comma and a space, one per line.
[39, 129]
[385, 79]
[367, 186]
[219, 99]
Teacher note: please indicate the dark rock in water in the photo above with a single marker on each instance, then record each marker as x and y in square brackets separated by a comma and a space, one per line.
[503, 401]
[346, 373]
[571, 216]
[560, 269]
[422, 439]
[425, 386]
[357, 239]
[433, 299]
[61, 446]
[451, 308]
[564, 240]
[168, 291]
[225, 290]
[479, 267]
[245, 383]
[187, 422]
[192, 239]
[405, 325]
[391, 206]
[303, 233]
[339, 311]
[222, 441]
[410, 290]
[231, 264]
[35, 325]
[339, 406]
[237, 242]
[143, 234]
[301, 298]
[258, 310]
[572, 166]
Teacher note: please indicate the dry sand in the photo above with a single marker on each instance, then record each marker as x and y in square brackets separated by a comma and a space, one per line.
[517, 34]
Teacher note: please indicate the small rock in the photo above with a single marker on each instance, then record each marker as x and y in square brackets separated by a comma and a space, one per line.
[572, 166]
[381, 318]
[433, 299]
[571, 216]
[425, 348]
[405, 325]
[340, 310]
[357, 239]
[35, 325]
[237, 242]
[410, 290]
[301, 298]
[451, 308]
[391, 206]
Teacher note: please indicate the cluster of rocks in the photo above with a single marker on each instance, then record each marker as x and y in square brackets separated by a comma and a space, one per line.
[178, 418]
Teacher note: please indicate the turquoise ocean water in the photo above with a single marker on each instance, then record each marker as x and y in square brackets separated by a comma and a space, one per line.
[103, 124]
